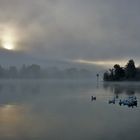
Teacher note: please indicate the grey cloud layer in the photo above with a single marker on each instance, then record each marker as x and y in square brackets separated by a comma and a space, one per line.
[75, 29]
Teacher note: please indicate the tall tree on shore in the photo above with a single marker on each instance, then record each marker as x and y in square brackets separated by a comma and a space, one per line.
[130, 69]
[106, 76]
[119, 72]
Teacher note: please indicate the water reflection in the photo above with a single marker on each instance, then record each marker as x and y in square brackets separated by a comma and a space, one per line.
[39, 110]
[117, 89]
[11, 118]
[61, 110]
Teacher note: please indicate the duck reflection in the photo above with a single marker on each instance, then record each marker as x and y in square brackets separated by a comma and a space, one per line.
[131, 101]
[128, 89]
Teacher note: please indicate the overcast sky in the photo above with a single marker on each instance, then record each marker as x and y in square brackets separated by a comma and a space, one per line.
[69, 30]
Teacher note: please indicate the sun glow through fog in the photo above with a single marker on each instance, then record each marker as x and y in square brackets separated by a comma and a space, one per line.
[8, 39]
[8, 45]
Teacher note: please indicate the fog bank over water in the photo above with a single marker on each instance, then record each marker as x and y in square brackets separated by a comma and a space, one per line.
[61, 30]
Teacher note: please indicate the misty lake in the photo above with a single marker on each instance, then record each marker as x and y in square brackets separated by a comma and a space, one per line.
[63, 110]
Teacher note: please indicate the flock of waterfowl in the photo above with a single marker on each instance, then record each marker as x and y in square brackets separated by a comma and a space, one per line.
[130, 101]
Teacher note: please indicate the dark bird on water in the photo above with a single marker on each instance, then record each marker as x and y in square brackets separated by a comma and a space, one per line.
[93, 98]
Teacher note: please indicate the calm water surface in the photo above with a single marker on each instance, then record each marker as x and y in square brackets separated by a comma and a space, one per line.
[63, 110]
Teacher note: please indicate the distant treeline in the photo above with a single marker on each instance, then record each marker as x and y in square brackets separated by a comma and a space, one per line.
[35, 71]
[127, 73]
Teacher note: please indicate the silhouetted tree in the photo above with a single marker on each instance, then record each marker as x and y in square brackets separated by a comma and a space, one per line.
[119, 72]
[106, 76]
[13, 72]
[23, 71]
[130, 72]
[130, 69]
[111, 75]
[34, 71]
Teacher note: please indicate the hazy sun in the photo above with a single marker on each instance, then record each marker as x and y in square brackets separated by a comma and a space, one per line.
[8, 45]
[8, 39]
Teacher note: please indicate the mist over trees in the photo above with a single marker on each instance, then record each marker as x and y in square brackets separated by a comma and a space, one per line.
[35, 71]
[128, 72]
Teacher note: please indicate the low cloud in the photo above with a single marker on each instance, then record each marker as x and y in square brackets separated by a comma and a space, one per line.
[74, 29]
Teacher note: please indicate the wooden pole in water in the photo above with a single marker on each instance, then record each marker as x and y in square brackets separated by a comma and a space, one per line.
[97, 77]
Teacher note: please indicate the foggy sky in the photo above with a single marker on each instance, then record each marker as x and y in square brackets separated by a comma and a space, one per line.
[72, 29]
